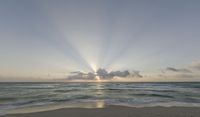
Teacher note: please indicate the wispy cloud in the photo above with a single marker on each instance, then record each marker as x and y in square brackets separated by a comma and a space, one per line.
[189, 71]
[181, 70]
[195, 65]
[136, 74]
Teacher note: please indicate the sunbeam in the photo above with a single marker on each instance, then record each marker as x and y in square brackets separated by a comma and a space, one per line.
[57, 38]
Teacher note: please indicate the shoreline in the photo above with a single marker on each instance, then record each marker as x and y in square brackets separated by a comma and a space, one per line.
[86, 105]
[116, 111]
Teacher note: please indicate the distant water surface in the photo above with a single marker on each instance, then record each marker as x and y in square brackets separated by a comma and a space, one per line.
[96, 95]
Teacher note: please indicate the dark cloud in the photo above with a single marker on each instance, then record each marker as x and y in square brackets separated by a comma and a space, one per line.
[81, 76]
[75, 72]
[119, 73]
[103, 74]
[187, 72]
[178, 70]
[136, 74]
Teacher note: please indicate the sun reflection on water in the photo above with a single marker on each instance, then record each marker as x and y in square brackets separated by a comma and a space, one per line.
[99, 92]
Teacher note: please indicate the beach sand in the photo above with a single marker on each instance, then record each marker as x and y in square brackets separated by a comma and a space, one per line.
[117, 111]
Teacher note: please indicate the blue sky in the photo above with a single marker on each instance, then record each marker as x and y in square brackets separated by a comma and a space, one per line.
[51, 38]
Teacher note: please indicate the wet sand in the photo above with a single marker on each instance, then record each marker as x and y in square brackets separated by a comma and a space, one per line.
[116, 111]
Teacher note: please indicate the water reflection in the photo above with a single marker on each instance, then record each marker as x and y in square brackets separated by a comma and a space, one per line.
[100, 92]
[100, 103]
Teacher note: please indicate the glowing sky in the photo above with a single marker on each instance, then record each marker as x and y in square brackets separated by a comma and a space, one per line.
[48, 39]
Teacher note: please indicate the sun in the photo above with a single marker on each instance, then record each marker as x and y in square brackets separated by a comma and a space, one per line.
[94, 68]
[98, 79]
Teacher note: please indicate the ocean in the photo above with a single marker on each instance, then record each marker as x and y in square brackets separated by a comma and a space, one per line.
[28, 97]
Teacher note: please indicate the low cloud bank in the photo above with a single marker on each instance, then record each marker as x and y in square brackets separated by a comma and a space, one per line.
[103, 74]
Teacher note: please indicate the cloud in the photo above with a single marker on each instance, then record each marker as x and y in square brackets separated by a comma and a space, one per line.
[78, 75]
[187, 72]
[136, 74]
[182, 70]
[103, 74]
[119, 73]
[195, 65]
[179, 76]
[186, 76]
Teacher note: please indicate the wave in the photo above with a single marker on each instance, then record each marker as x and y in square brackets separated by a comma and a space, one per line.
[132, 94]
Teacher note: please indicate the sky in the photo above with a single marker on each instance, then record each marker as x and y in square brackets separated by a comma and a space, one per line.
[53, 39]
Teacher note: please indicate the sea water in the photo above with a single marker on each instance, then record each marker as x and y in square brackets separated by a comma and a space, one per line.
[16, 96]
